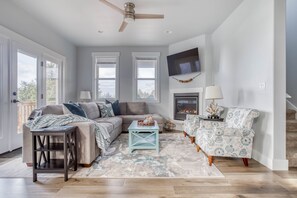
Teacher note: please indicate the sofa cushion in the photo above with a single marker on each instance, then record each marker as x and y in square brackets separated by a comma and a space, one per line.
[115, 121]
[136, 108]
[52, 109]
[123, 108]
[127, 119]
[115, 106]
[107, 126]
[91, 109]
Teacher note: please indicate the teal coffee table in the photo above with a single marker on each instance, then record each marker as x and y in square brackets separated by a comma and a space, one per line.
[143, 137]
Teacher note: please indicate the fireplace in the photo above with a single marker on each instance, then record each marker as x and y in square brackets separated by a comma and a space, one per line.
[185, 103]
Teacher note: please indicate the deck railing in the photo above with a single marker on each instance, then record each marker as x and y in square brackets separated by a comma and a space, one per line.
[24, 111]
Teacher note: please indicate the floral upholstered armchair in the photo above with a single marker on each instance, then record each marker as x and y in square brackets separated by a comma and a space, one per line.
[191, 125]
[232, 138]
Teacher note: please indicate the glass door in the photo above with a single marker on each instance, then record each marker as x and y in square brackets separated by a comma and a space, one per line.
[24, 91]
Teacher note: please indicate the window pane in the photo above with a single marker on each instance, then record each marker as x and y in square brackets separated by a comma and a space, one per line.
[146, 68]
[107, 71]
[146, 89]
[52, 83]
[106, 89]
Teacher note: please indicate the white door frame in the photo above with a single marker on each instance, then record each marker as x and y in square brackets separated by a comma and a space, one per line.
[4, 100]
[14, 40]
[16, 138]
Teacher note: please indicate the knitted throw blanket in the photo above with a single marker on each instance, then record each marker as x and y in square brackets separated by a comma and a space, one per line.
[49, 120]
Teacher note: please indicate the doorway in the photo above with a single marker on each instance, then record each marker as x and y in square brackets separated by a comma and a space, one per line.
[32, 79]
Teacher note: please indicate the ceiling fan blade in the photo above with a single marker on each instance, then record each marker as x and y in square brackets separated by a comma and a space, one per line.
[149, 16]
[123, 26]
[112, 6]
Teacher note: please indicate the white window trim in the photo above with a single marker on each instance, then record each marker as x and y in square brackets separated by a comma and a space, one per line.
[94, 80]
[155, 55]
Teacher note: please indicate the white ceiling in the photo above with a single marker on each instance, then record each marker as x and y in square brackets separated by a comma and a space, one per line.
[80, 20]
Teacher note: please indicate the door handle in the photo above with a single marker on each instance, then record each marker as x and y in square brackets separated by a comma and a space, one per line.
[15, 101]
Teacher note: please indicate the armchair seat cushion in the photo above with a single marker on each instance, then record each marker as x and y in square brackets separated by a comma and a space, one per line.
[233, 132]
[212, 124]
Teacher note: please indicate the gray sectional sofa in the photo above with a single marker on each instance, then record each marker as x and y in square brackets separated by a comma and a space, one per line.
[87, 147]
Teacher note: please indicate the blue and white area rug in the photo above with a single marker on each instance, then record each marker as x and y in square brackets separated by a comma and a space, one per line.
[177, 159]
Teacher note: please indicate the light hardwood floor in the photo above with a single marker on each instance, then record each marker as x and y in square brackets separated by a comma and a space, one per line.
[253, 181]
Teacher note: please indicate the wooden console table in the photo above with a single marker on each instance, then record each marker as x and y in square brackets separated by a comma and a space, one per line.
[42, 148]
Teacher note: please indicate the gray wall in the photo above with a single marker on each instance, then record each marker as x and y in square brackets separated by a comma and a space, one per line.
[248, 51]
[21, 22]
[84, 72]
[292, 50]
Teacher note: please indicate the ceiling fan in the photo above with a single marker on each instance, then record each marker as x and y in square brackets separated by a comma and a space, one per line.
[129, 13]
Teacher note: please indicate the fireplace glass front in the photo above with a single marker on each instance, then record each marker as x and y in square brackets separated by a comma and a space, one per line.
[185, 103]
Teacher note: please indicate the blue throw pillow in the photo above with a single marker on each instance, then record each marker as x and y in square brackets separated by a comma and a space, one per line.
[75, 109]
[115, 107]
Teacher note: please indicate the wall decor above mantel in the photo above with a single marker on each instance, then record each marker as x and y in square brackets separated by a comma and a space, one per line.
[187, 80]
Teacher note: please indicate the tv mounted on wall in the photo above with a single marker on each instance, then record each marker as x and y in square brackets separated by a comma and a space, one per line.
[184, 62]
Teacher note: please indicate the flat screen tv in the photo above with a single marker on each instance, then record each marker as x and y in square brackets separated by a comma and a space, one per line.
[184, 62]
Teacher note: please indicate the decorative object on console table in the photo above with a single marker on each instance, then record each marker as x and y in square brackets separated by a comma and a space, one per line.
[85, 96]
[148, 121]
[213, 93]
[46, 162]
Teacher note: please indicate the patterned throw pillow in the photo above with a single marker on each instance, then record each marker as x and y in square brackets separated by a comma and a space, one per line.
[115, 106]
[72, 108]
[106, 110]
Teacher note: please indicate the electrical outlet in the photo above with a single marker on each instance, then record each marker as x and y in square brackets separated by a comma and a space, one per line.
[262, 85]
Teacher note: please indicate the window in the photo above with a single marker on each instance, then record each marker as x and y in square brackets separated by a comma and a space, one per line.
[106, 75]
[52, 82]
[146, 73]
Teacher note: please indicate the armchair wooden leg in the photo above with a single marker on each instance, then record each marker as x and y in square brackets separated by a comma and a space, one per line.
[185, 134]
[245, 161]
[210, 160]
[192, 139]
[197, 148]
[86, 165]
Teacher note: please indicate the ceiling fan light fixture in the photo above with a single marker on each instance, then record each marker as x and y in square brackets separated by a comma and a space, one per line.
[129, 18]
[129, 13]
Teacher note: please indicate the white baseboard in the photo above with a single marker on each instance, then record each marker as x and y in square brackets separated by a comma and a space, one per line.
[280, 164]
[272, 164]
